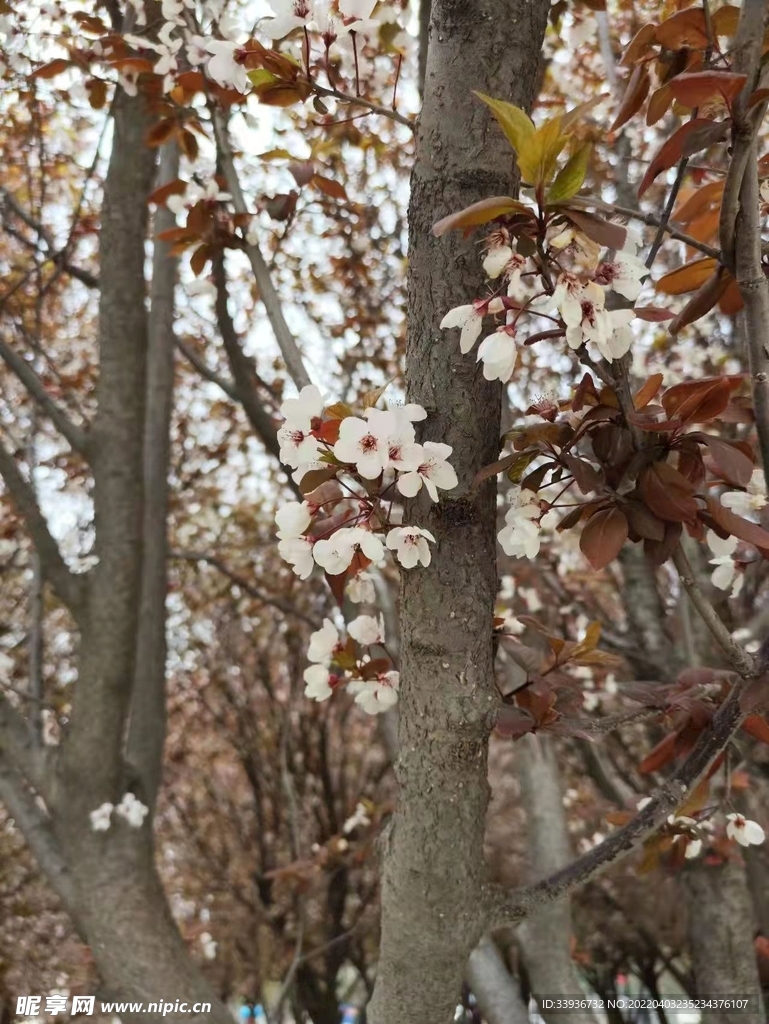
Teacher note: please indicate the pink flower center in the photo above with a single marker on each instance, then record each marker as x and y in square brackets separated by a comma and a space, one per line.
[301, 8]
[589, 312]
[369, 443]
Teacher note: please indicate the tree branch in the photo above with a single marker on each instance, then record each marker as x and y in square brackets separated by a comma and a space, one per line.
[69, 587]
[505, 907]
[75, 435]
[147, 726]
[651, 220]
[259, 595]
[742, 662]
[269, 296]
[57, 256]
[245, 379]
[92, 764]
[19, 749]
[360, 101]
[35, 826]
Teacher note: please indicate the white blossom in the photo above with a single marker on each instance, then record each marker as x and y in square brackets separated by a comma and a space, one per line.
[376, 695]
[335, 553]
[397, 432]
[726, 574]
[223, 67]
[470, 320]
[302, 415]
[293, 519]
[410, 545]
[496, 260]
[360, 589]
[746, 832]
[367, 630]
[362, 445]
[359, 819]
[100, 818]
[298, 552]
[520, 536]
[624, 274]
[317, 682]
[432, 470]
[693, 844]
[323, 643]
[750, 500]
[132, 810]
[287, 15]
[498, 354]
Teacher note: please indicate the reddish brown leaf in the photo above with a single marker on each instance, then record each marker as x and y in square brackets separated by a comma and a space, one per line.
[658, 552]
[653, 314]
[690, 138]
[694, 88]
[639, 46]
[702, 404]
[636, 92]
[603, 537]
[52, 68]
[173, 188]
[161, 132]
[735, 525]
[643, 523]
[645, 394]
[329, 187]
[659, 102]
[680, 399]
[733, 464]
[701, 303]
[757, 727]
[687, 278]
[199, 258]
[668, 493]
[699, 200]
[480, 213]
[612, 236]
[685, 29]
[731, 301]
[662, 754]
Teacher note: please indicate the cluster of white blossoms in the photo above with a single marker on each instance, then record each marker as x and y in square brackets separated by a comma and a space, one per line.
[181, 43]
[726, 575]
[690, 831]
[354, 472]
[337, 663]
[130, 809]
[573, 305]
[378, 459]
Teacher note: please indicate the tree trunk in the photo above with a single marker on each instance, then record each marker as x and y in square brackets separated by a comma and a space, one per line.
[721, 938]
[433, 869]
[546, 935]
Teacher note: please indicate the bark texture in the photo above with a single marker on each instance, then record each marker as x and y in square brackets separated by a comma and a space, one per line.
[721, 938]
[433, 873]
[545, 936]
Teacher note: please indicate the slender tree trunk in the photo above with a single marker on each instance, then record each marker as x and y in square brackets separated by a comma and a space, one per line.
[433, 869]
[546, 935]
[721, 938]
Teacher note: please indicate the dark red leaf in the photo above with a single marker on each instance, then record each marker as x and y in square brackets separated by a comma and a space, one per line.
[603, 537]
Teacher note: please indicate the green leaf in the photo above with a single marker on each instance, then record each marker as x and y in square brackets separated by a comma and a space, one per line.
[261, 76]
[571, 176]
[517, 125]
[537, 162]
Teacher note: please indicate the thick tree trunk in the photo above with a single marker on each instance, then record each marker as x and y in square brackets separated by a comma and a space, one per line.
[721, 938]
[546, 935]
[433, 870]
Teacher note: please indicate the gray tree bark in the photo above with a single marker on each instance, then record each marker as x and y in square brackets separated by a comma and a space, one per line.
[433, 874]
[545, 936]
[107, 880]
[721, 938]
